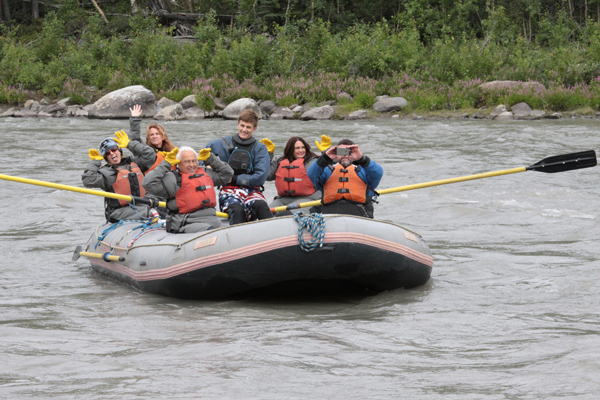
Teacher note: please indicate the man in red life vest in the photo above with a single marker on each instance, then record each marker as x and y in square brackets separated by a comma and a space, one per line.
[122, 175]
[189, 189]
[346, 177]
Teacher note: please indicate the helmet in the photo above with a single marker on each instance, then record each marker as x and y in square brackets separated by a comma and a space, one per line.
[106, 145]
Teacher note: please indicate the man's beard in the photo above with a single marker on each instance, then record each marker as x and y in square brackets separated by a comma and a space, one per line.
[345, 162]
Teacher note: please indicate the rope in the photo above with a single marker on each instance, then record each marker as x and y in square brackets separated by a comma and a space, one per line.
[315, 225]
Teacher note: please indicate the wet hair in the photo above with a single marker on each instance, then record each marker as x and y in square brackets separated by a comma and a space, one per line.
[186, 148]
[249, 116]
[288, 152]
[346, 142]
[166, 144]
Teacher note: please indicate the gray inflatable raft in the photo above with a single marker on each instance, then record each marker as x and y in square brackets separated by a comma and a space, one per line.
[357, 254]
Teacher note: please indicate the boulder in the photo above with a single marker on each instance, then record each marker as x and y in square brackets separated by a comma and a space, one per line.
[344, 97]
[233, 110]
[521, 110]
[319, 113]
[44, 102]
[390, 104]
[297, 109]
[66, 101]
[193, 113]
[44, 114]
[219, 104]
[377, 98]
[189, 102]
[9, 113]
[164, 102]
[28, 104]
[82, 113]
[498, 110]
[282, 113]
[496, 85]
[35, 106]
[359, 114]
[25, 113]
[533, 115]
[267, 106]
[71, 110]
[555, 115]
[54, 108]
[117, 104]
[170, 113]
[505, 116]
[417, 118]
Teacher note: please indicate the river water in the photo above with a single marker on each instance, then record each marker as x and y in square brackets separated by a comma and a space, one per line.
[511, 311]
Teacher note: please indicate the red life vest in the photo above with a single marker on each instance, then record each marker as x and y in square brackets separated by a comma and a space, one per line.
[196, 191]
[129, 182]
[345, 184]
[291, 179]
[159, 158]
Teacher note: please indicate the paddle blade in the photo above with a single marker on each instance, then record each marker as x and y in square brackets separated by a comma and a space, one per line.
[565, 162]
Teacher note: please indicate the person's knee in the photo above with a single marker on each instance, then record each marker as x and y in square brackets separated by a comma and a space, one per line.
[237, 214]
[261, 210]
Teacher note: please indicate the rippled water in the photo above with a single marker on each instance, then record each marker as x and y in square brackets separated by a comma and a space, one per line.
[511, 311]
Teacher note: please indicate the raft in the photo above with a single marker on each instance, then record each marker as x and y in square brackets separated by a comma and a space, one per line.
[357, 255]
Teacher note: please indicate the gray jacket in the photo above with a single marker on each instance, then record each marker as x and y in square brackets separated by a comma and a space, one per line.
[162, 182]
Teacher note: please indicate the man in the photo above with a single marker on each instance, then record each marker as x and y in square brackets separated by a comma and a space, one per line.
[122, 175]
[242, 197]
[189, 189]
[346, 177]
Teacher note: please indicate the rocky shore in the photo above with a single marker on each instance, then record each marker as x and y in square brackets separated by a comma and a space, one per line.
[116, 105]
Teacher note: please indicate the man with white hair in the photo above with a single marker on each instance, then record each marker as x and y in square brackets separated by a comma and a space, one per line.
[189, 188]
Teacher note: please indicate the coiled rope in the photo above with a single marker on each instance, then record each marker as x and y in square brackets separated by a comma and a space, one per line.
[315, 225]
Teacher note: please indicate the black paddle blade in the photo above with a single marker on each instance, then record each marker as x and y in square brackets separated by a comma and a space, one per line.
[565, 162]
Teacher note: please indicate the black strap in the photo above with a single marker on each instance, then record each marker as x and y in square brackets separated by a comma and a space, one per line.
[289, 191]
[345, 171]
[344, 179]
[289, 179]
[201, 188]
[196, 176]
[343, 191]
[290, 166]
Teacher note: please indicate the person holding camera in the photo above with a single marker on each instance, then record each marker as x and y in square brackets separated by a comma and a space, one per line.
[346, 177]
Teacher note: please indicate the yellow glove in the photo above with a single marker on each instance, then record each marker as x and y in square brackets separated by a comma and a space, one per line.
[171, 156]
[325, 143]
[269, 144]
[204, 154]
[95, 155]
[122, 139]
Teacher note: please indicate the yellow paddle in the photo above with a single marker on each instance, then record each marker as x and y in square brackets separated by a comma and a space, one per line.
[59, 186]
[564, 162]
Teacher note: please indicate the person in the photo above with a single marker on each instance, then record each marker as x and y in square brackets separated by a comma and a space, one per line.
[289, 173]
[189, 188]
[156, 137]
[242, 197]
[346, 177]
[122, 175]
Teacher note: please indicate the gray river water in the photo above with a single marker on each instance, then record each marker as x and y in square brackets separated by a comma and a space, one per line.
[511, 311]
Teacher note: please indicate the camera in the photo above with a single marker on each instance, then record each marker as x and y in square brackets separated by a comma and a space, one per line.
[342, 151]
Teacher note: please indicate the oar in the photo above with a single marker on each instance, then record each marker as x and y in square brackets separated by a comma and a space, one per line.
[565, 162]
[131, 199]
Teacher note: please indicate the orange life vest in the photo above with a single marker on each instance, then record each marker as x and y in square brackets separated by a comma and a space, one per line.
[291, 179]
[129, 182]
[345, 184]
[196, 191]
[159, 158]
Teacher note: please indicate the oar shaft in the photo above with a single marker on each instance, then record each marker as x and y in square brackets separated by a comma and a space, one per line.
[72, 188]
[296, 206]
[101, 256]
[453, 180]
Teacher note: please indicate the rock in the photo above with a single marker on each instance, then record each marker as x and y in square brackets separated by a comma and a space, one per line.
[57, 114]
[329, 103]
[25, 113]
[283, 112]
[267, 106]
[55, 107]
[117, 104]
[477, 115]
[28, 104]
[505, 116]
[498, 110]
[189, 102]
[377, 98]
[319, 113]
[344, 97]
[533, 115]
[82, 113]
[418, 118]
[298, 109]
[164, 102]
[219, 104]
[463, 116]
[212, 113]
[71, 110]
[44, 102]
[521, 107]
[233, 110]
[9, 113]
[170, 113]
[66, 101]
[359, 114]
[193, 113]
[43, 114]
[220, 113]
[292, 106]
[395, 116]
[35, 106]
[390, 104]
[495, 85]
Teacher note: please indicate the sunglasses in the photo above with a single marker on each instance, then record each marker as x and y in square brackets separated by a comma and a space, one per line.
[114, 148]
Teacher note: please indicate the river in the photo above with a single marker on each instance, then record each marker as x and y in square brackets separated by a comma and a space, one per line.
[512, 309]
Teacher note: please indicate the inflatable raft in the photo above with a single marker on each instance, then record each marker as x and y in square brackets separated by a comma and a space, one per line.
[357, 254]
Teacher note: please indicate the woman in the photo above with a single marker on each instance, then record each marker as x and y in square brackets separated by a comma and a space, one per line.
[289, 174]
[156, 137]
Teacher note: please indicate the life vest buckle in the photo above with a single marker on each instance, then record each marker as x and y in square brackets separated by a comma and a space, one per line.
[344, 179]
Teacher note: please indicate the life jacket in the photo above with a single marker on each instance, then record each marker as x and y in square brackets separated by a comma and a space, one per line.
[159, 158]
[196, 191]
[129, 182]
[291, 179]
[344, 185]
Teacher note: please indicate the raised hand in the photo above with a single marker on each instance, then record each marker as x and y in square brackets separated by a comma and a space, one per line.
[122, 139]
[204, 154]
[95, 155]
[269, 144]
[136, 111]
[171, 156]
[325, 143]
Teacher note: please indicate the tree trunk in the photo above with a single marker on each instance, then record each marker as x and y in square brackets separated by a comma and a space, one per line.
[5, 10]
[191, 5]
[35, 10]
[134, 7]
